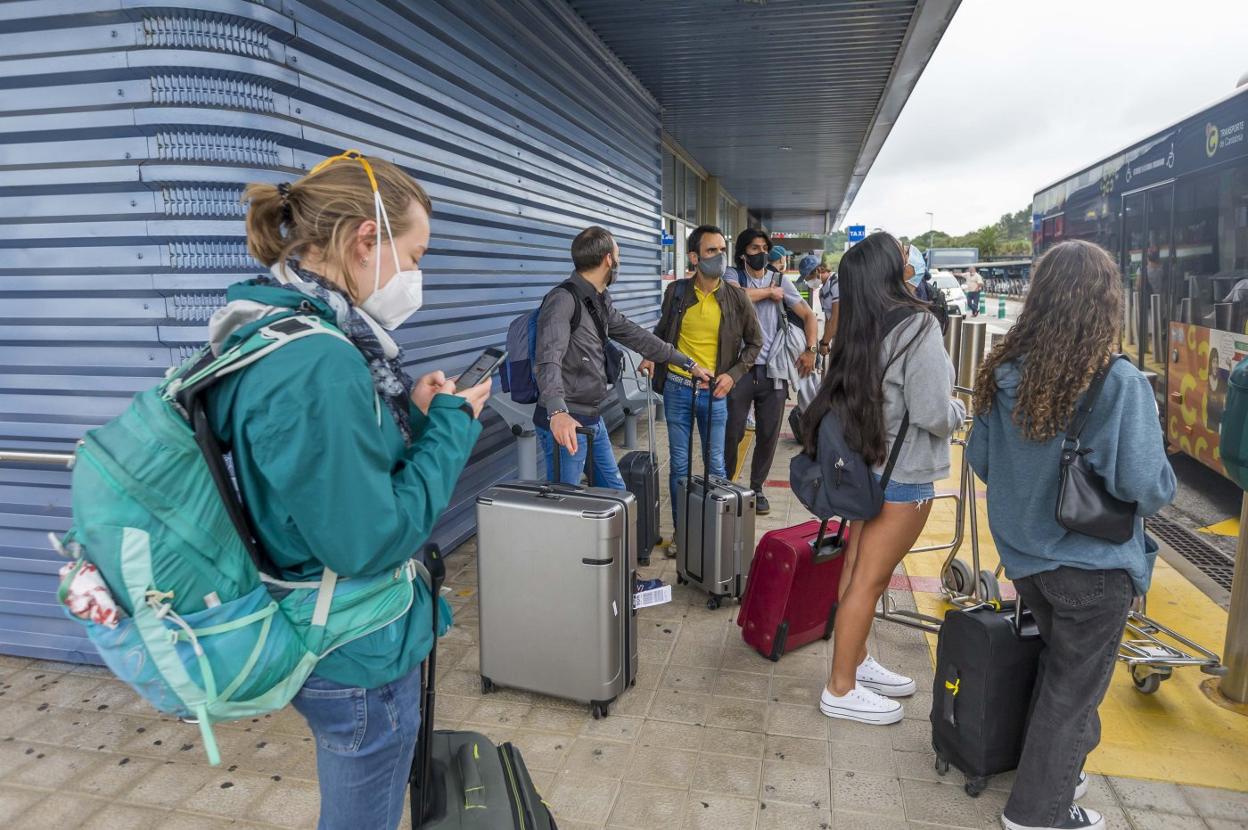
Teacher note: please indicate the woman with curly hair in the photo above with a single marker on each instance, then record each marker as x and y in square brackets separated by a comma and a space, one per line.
[1078, 587]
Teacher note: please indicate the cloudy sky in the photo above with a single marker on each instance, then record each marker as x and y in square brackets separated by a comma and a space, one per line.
[1019, 94]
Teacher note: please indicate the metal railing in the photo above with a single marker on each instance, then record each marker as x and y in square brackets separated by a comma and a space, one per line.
[45, 459]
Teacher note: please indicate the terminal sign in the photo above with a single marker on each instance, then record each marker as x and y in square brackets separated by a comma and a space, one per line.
[857, 233]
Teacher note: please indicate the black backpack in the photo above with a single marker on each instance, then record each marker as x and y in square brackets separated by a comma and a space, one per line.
[931, 294]
[838, 482]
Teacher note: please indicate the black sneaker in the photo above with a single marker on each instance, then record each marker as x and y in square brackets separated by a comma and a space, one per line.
[761, 506]
[1078, 818]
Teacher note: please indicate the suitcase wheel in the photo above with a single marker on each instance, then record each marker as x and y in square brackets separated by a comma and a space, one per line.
[712, 603]
[680, 580]
[942, 765]
[599, 709]
[975, 786]
[487, 685]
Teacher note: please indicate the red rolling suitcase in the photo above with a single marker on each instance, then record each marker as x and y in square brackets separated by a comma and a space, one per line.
[790, 596]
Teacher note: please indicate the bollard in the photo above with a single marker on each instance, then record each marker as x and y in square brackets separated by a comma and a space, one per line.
[971, 353]
[526, 455]
[983, 303]
[1234, 684]
[953, 337]
[1000, 306]
[1156, 331]
[630, 430]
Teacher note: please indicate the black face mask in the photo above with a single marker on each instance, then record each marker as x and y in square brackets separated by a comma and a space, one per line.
[756, 261]
[613, 273]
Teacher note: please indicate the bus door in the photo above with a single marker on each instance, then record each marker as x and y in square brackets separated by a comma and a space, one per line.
[1147, 267]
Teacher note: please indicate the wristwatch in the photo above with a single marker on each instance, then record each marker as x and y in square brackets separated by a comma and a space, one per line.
[813, 349]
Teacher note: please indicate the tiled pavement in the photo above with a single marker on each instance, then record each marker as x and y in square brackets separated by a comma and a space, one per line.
[712, 736]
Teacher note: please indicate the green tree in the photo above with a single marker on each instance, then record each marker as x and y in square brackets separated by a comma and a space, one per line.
[988, 240]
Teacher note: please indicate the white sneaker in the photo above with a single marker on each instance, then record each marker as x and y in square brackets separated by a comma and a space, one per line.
[1078, 818]
[1081, 786]
[862, 705]
[871, 675]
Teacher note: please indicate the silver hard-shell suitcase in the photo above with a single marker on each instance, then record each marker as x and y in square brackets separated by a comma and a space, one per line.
[556, 570]
[714, 530]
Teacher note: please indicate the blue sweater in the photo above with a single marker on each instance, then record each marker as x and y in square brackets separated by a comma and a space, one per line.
[1022, 476]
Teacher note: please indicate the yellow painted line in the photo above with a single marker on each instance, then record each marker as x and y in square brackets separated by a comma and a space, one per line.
[1226, 527]
[1174, 735]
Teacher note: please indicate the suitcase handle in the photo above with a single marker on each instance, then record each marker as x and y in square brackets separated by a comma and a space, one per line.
[422, 761]
[835, 544]
[589, 454]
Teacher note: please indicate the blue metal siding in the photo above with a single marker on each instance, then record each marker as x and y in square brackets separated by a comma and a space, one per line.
[128, 130]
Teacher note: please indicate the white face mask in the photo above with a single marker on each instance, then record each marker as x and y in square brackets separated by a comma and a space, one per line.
[403, 295]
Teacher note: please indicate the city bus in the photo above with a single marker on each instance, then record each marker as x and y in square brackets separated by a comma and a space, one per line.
[1173, 209]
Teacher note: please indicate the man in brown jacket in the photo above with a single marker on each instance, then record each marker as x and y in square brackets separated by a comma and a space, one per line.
[713, 322]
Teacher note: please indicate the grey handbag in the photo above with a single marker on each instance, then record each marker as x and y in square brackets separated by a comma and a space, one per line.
[1084, 505]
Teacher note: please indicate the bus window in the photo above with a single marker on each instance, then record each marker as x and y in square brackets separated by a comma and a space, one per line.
[1211, 247]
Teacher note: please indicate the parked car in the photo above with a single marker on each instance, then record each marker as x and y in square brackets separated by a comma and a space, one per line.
[948, 284]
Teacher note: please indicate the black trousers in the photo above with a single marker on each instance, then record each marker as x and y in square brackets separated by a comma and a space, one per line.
[1081, 615]
[757, 389]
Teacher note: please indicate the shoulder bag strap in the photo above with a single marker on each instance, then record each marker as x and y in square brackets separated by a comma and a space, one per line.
[567, 285]
[1080, 419]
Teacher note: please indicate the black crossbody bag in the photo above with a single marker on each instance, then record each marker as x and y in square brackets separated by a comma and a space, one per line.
[1084, 505]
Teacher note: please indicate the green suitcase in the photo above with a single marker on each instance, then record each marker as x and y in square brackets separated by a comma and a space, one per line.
[461, 779]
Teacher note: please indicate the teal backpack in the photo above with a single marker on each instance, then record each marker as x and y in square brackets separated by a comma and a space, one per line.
[205, 633]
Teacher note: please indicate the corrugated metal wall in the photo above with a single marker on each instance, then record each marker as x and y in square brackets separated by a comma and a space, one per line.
[128, 129]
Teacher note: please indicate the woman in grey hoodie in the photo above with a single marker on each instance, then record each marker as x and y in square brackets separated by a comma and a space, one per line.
[1078, 587]
[888, 361]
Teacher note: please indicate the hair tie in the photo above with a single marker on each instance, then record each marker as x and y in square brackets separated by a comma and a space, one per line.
[283, 190]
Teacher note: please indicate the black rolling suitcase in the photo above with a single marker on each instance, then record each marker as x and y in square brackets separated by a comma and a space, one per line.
[461, 779]
[986, 666]
[640, 471]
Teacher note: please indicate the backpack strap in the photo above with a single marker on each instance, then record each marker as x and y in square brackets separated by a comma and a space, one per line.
[895, 453]
[187, 394]
[567, 286]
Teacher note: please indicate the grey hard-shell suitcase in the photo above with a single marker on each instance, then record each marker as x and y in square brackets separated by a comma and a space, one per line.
[556, 566]
[461, 779]
[714, 529]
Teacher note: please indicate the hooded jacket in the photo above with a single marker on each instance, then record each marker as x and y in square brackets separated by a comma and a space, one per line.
[324, 473]
[1124, 435]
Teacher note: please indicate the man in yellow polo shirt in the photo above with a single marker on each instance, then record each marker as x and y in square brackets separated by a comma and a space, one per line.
[713, 322]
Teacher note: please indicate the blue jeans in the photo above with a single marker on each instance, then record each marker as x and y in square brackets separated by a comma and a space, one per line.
[365, 742]
[677, 400]
[606, 470]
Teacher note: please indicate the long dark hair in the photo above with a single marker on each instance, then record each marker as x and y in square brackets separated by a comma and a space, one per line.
[872, 282]
[1067, 331]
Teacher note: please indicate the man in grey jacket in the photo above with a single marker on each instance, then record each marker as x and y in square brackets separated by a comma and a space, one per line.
[576, 321]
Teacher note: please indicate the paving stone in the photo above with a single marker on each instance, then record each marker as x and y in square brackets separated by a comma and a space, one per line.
[1151, 796]
[290, 804]
[543, 750]
[1150, 820]
[809, 751]
[688, 679]
[623, 728]
[52, 768]
[1226, 824]
[696, 654]
[860, 792]
[741, 684]
[633, 702]
[230, 794]
[1223, 804]
[908, 735]
[584, 798]
[679, 707]
[494, 712]
[65, 690]
[804, 665]
[649, 674]
[595, 756]
[673, 735]
[555, 720]
[944, 803]
[57, 810]
[800, 691]
[14, 755]
[796, 783]
[130, 817]
[661, 765]
[14, 801]
[796, 721]
[852, 732]
[169, 785]
[844, 820]
[179, 820]
[645, 807]
[733, 742]
[708, 811]
[736, 713]
[877, 760]
[727, 774]
[777, 815]
[113, 775]
[921, 766]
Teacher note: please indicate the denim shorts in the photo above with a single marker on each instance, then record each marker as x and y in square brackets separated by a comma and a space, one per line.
[898, 492]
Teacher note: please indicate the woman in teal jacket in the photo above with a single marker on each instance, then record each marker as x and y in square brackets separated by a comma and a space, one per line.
[1079, 588]
[343, 460]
